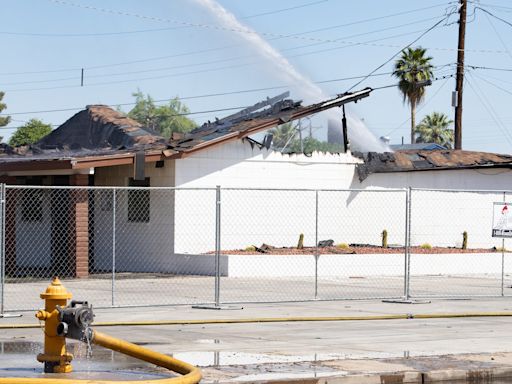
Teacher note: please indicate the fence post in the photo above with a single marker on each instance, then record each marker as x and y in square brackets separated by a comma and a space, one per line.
[114, 204]
[503, 256]
[407, 242]
[2, 248]
[217, 245]
[317, 256]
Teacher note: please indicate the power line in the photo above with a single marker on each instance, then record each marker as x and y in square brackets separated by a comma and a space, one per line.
[178, 114]
[156, 77]
[222, 60]
[420, 108]
[284, 9]
[320, 41]
[488, 107]
[488, 68]
[494, 85]
[220, 93]
[499, 36]
[397, 53]
[493, 15]
[223, 48]
[149, 30]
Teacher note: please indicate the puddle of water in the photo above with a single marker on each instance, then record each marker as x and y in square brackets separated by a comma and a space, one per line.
[19, 360]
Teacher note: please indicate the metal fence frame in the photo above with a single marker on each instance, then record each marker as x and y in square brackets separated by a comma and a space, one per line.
[217, 273]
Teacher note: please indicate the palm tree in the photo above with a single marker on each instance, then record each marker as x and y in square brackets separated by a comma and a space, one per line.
[434, 128]
[412, 68]
[282, 134]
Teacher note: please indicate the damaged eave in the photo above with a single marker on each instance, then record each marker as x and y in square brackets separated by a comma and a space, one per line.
[221, 131]
[114, 160]
[36, 165]
[436, 160]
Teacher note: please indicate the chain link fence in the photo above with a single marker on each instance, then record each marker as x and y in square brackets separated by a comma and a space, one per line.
[142, 246]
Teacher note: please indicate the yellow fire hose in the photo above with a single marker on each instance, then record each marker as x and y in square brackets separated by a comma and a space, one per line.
[441, 315]
[191, 374]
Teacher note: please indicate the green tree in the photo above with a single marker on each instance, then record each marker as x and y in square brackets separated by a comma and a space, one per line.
[164, 119]
[435, 128]
[286, 136]
[282, 135]
[412, 68]
[310, 144]
[4, 120]
[33, 131]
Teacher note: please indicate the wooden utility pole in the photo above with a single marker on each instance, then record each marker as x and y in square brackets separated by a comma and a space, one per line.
[460, 74]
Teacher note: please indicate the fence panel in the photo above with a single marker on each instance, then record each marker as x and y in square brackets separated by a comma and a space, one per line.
[165, 240]
[113, 247]
[50, 232]
[253, 219]
[156, 246]
[438, 220]
[355, 221]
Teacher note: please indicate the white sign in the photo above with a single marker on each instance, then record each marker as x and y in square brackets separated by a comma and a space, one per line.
[502, 220]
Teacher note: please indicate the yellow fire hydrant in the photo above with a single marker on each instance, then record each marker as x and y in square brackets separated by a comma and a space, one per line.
[56, 359]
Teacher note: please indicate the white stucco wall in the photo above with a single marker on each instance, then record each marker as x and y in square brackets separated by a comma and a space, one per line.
[440, 218]
[276, 217]
[140, 247]
[183, 221]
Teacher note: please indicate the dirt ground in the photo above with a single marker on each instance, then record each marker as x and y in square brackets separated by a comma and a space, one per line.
[351, 249]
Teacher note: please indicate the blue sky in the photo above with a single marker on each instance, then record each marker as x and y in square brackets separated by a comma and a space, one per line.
[178, 48]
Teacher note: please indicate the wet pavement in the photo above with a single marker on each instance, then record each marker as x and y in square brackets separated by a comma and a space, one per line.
[470, 348]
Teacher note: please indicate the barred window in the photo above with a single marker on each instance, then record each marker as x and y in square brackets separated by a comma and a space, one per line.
[139, 201]
[32, 205]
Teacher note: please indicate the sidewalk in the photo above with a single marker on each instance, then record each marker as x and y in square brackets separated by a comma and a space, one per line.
[365, 351]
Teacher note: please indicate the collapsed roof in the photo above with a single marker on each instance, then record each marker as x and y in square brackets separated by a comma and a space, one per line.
[98, 127]
[428, 160]
[99, 135]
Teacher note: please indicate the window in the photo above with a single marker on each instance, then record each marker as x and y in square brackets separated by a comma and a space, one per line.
[32, 205]
[138, 201]
[31, 199]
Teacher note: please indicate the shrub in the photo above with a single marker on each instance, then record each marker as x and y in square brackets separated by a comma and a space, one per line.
[342, 246]
[425, 246]
[384, 238]
[250, 248]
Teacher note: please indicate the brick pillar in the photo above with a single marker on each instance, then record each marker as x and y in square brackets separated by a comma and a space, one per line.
[10, 226]
[80, 226]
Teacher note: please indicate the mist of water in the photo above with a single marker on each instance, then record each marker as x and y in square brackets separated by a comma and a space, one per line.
[360, 137]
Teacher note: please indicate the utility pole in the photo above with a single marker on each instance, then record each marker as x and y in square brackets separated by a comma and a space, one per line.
[300, 136]
[460, 74]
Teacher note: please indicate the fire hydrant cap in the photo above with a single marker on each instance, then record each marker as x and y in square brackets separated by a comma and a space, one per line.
[56, 291]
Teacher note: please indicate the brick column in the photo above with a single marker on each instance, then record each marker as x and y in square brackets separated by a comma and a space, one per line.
[80, 226]
[10, 226]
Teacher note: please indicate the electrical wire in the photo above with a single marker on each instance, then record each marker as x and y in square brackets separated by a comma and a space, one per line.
[321, 41]
[177, 114]
[488, 68]
[164, 76]
[420, 108]
[397, 53]
[188, 65]
[150, 30]
[488, 107]
[217, 94]
[498, 35]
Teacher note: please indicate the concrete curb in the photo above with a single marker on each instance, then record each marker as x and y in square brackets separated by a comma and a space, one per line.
[412, 377]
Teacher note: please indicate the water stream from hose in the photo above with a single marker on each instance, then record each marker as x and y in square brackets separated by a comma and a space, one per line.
[360, 136]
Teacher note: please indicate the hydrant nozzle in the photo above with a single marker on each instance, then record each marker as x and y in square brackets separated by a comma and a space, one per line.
[56, 359]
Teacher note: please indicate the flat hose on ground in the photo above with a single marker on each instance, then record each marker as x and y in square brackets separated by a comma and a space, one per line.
[191, 374]
[404, 316]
